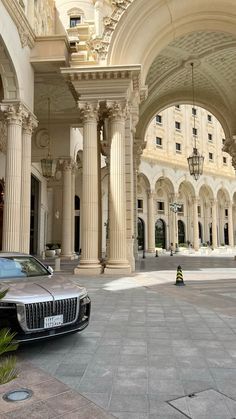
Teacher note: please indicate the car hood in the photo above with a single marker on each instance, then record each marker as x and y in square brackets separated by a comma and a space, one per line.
[41, 288]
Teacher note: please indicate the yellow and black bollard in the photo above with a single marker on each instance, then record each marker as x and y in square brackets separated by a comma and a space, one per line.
[179, 277]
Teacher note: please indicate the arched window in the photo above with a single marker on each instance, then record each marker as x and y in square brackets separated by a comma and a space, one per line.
[160, 234]
[76, 16]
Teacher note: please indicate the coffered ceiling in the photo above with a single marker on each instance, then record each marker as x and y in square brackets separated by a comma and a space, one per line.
[213, 55]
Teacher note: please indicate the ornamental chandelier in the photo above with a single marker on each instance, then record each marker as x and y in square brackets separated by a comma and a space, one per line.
[195, 161]
[47, 164]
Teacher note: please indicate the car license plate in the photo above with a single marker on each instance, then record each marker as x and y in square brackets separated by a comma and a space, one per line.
[53, 321]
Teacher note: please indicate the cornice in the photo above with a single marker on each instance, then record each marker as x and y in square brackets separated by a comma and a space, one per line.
[26, 33]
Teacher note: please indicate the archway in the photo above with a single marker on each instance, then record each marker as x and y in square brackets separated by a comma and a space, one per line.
[226, 234]
[181, 232]
[141, 234]
[200, 231]
[160, 233]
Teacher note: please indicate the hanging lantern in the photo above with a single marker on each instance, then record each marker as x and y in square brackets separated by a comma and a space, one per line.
[195, 161]
[48, 165]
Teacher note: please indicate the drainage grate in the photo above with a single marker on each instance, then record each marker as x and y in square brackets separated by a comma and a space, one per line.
[207, 404]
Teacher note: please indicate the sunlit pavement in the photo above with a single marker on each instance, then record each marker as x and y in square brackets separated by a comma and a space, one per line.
[150, 342]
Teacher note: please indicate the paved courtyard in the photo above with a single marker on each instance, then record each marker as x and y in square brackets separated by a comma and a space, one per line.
[151, 343]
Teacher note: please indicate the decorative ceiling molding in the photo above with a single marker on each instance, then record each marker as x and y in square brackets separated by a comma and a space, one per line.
[101, 45]
[26, 33]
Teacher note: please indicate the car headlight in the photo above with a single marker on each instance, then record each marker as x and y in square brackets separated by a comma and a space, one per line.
[84, 293]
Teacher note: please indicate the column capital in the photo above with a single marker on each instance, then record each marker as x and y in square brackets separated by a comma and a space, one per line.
[88, 110]
[67, 164]
[117, 110]
[29, 123]
[213, 202]
[195, 199]
[150, 193]
[14, 112]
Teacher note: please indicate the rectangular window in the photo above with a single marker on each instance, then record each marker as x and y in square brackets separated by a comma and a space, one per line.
[158, 119]
[209, 137]
[160, 206]
[177, 125]
[181, 209]
[194, 111]
[74, 21]
[194, 131]
[178, 147]
[209, 118]
[210, 156]
[199, 210]
[226, 212]
[224, 160]
[158, 141]
[140, 205]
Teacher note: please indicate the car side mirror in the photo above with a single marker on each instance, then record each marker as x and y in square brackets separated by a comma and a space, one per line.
[50, 269]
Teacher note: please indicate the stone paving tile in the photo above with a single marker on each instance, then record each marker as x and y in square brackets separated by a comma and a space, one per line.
[158, 342]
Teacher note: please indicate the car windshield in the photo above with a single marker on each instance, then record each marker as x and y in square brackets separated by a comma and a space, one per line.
[20, 267]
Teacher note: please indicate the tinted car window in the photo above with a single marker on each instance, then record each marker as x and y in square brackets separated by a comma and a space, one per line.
[20, 267]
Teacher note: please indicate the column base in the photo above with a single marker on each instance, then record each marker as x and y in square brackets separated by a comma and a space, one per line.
[117, 269]
[69, 257]
[88, 270]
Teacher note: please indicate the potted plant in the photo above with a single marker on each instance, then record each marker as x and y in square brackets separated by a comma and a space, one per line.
[7, 363]
[50, 250]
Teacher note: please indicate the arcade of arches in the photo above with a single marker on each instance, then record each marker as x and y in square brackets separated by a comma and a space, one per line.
[103, 94]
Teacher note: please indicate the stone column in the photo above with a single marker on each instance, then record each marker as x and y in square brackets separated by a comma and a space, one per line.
[230, 224]
[117, 262]
[66, 250]
[12, 196]
[151, 223]
[29, 124]
[73, 210]
[195, 225]
[214, 224]
[89, 262]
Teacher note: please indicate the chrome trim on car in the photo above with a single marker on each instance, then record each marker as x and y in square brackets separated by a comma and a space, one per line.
[31, 316]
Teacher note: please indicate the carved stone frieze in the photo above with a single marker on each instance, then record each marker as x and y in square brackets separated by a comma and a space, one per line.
[26, 34]
[101, 45]
[230, 148]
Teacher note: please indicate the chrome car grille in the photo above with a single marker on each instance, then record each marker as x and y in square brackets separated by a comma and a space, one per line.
[36, 312]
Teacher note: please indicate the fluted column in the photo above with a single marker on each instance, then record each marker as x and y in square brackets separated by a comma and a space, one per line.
[117, 262]
[73, 210]
[89, 262]
[195, 224]
[151, 223]
[214, 224]
[230, 224]
[29, 124]
[66, 250]
[12, 196]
